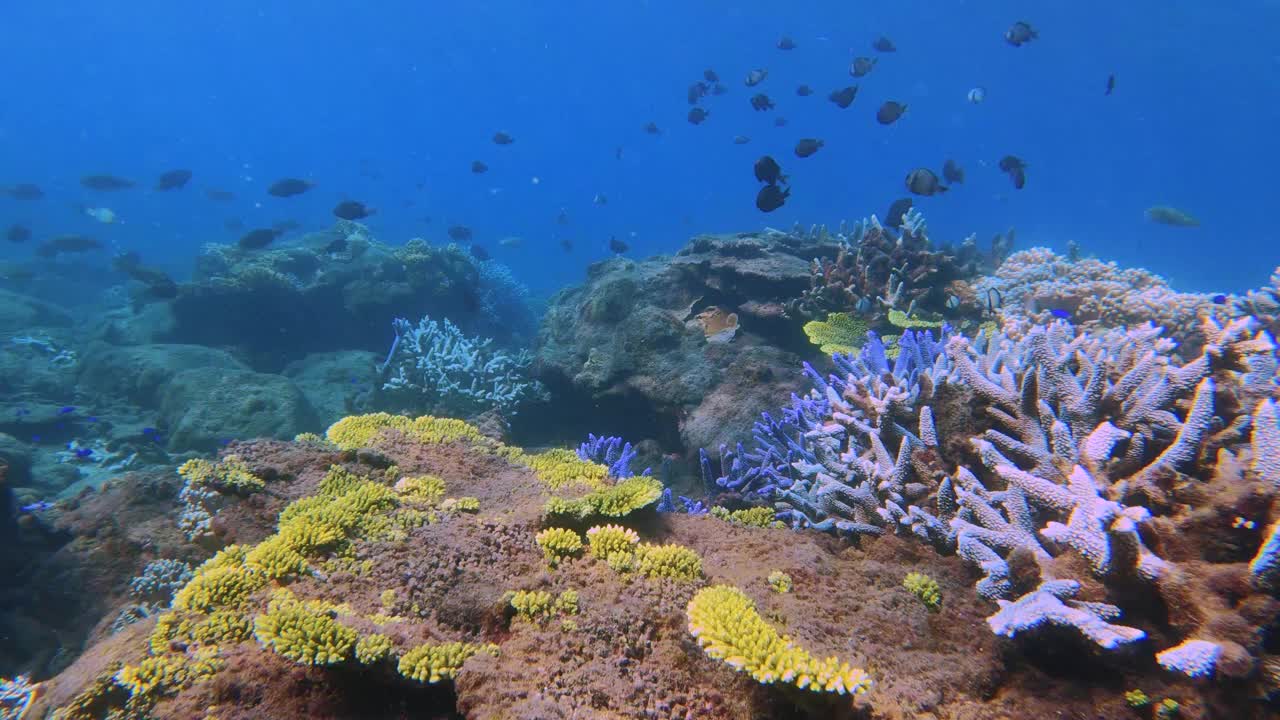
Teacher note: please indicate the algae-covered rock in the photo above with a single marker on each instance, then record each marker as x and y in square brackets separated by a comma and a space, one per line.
[20, 313]
[335, 383]
[205, 407]
[139, 374]
[15, 458]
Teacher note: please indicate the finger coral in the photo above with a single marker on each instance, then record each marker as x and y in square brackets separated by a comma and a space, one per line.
[433, 663]
[725, 622]
[303, 634]
[669, 561]
[558, 544]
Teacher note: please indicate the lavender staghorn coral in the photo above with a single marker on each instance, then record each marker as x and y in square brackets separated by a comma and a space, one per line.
[611, 452]
[1052, 604]
[1266, 443]
[1193, 658]
[434, 366]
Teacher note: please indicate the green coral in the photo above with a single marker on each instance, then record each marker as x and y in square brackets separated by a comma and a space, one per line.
[466, 503]
[360, 431]
[303, 634]
[897, 318]
[617, 500]
[167, 674]
[1168, 709]
[532, 604]
[924, 588]
[725, 622]
[422, 489]
[558, 544]
[780, 581]
[839, 333]
[373, 648]
[567, 603]
[229, 475]
[1137, 699]
[433, 663]
[607, 540]
[222, 581]
[761, 517]
[670, 561]
[559, 468]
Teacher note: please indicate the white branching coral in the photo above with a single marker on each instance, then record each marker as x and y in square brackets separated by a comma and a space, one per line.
[435, 366]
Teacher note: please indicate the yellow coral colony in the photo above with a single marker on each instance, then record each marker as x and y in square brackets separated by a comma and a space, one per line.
[727, 626]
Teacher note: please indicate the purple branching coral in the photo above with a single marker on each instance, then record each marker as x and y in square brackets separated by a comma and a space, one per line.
[1077, 436]
[612, 452]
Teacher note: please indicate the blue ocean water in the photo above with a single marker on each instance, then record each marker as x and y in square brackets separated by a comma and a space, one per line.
[390, 102]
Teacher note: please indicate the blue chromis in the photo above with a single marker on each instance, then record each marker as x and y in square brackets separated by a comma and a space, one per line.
[1060, 313]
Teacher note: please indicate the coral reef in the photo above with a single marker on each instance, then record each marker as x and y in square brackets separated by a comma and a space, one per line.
[434, 368]
[874, 271]
[1077, 452]
[1033, 284]
[389, 595]
[335, 290]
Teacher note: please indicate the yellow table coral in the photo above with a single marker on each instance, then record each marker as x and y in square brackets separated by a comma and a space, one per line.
[727, 626]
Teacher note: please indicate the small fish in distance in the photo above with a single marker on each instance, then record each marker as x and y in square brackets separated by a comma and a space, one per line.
[1111, 84]
[289, 187]
[479, 167]
[741, 139]
[768, 171]
[861, 66]
[922, 181]
[760, 101]
[697, 115]
[24, 191]
[977, 95]
[352, 210]
[1020, 33]
[652, 128]
[173, 180]
[889, 112]
[951, 172]
[106, 183]
[617, 246]
[70, 243]
[771, 197]
[884, 45]
[1015, 168]
[258, 239]
[696, 92]
[757, 76]
[18, 233]
[502, 138]
[1166, 215]
[808, 146]
[804, 91]
[710, 76]
[461, 233]
[898, 208]
[779, 121]
[843, 97]
[786, 43]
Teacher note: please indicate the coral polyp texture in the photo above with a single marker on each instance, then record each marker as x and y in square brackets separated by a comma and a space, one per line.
[727, 626]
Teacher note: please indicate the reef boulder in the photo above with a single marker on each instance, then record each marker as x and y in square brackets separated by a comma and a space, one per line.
[203, 408]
